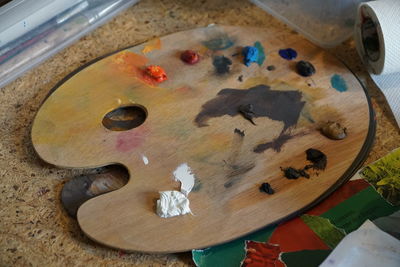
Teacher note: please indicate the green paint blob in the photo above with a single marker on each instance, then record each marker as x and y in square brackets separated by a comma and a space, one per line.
[338, 83]
[330, 234]
[261, 54]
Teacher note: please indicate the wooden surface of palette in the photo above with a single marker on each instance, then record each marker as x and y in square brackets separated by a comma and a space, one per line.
[227, 203]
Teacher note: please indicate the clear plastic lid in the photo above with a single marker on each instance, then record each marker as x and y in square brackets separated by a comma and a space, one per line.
[326, 23]
[56, 33]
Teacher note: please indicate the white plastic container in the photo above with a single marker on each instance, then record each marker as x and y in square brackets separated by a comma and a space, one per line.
[326, 23]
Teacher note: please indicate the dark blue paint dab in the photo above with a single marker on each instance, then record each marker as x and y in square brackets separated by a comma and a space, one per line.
[288, 53]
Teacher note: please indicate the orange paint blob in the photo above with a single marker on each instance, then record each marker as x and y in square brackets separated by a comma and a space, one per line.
[157, 73]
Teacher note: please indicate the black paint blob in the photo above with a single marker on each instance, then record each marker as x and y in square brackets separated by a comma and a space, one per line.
[305, 68]
[222, 64]
[266, 188]
[292, 173]
[318, 159]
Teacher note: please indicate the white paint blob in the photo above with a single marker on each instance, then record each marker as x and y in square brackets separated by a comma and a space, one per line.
[145, 160]
[184, 174]
[172, 203]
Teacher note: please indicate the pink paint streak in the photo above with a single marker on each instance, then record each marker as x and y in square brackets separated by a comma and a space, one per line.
[129, 140]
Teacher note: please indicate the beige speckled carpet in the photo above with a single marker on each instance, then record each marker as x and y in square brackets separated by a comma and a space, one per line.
[34, 228]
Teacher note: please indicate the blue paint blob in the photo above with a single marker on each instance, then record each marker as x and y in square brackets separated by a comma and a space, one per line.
[261, 54]
[288, 53]
[250, 54]
[338, 83]
[221, 42]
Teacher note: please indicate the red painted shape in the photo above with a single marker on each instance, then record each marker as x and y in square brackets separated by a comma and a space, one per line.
[129, 140]
[344, 192]
[260, 254]
[295, 235]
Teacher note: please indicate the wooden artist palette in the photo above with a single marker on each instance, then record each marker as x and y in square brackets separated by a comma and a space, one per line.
[191, 119]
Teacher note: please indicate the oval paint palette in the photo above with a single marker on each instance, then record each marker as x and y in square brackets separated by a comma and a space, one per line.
[231, 126]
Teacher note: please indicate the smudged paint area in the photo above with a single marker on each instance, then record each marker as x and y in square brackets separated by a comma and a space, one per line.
[154, 44]
[338, 83]
[129, 140]
[238, 162]
[133, 65]
[220, 41]
[222, 64]
[236, 172]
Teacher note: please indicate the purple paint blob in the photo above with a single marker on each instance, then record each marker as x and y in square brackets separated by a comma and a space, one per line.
[288, 53]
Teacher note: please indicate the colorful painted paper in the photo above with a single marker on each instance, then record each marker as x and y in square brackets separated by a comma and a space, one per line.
[330, 234]
[384, 176]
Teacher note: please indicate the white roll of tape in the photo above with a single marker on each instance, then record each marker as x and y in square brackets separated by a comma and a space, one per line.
[377, 35]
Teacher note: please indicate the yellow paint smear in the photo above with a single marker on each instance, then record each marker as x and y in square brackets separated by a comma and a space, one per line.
[154, 44]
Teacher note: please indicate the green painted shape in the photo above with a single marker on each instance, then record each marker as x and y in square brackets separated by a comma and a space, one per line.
[261, 53]
[229, 254]
[353, 212]
[329, 233]
[305, 258]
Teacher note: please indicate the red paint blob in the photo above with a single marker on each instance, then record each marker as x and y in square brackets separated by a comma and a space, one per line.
[157, 73]
[190, 57]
